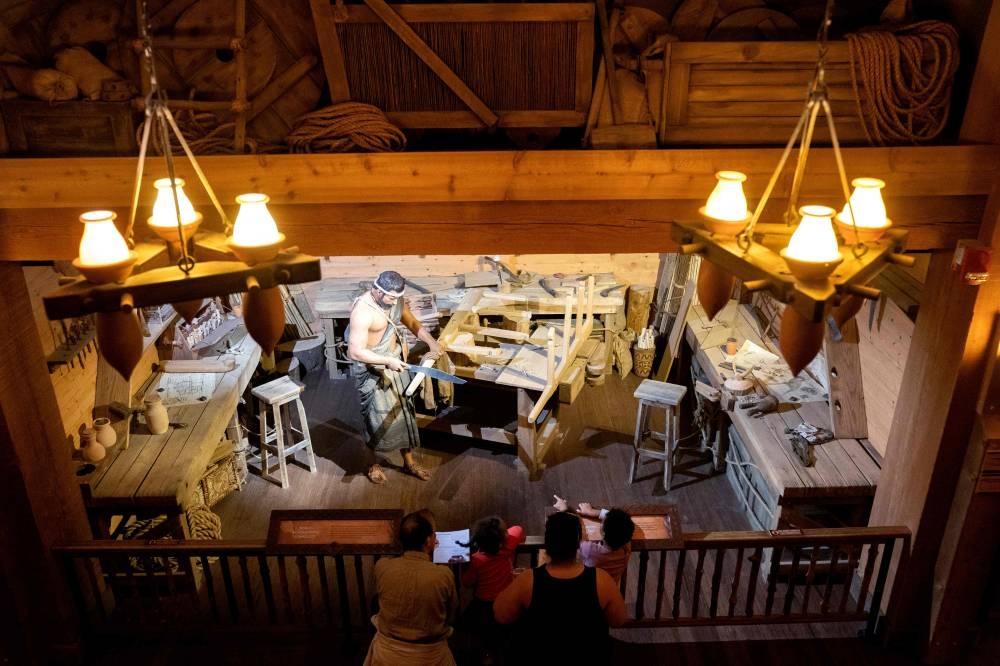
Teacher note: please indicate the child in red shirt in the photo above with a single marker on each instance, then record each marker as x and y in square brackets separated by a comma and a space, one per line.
[491, 569]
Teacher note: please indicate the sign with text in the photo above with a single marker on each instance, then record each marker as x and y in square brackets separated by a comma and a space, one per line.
[342, 531]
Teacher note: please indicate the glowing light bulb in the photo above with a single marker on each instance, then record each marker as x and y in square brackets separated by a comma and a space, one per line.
[814, 240]
[164, 212]
[164, 218]
[254, 225]
[104, 255]
[812, 253]
[102, 244]
[727, 202]
[869, 211]
[255, 235]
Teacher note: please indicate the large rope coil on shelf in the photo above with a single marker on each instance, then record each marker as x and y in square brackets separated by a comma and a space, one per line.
[345, 127]
[902, 80]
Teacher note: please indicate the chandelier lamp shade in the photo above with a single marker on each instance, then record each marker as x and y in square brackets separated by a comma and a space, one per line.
[818, 275]
[247, 257]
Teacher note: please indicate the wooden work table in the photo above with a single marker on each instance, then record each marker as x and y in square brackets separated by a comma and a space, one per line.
[157, 474]
[772, 478]
[513, 363]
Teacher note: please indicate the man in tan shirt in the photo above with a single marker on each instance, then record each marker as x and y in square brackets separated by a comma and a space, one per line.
[417, 600]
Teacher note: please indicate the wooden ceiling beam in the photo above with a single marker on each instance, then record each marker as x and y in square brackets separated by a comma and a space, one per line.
[507, 202]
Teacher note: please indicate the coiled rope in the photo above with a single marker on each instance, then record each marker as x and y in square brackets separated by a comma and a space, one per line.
[204, 523]
[902, 80]
[206, 136]
[345, 127]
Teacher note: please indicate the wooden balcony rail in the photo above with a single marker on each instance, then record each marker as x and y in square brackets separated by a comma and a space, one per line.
[717, 578]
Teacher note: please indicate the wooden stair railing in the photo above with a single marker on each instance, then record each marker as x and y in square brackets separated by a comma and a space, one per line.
[717, 578]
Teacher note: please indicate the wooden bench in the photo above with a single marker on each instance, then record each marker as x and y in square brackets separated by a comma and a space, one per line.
[777, 489]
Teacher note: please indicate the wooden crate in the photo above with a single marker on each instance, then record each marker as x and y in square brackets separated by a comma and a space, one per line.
[749, 93]
[529, 65]
[69, 128]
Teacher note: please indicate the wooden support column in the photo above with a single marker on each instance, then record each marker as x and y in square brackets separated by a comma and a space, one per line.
[42, 506]
[971, 541]
[979, 123]
[933, 424]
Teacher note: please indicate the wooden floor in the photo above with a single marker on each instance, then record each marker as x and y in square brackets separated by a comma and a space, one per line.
[473, 479]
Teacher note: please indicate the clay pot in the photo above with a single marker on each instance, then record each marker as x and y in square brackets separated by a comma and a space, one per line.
[264, 316]
[714, 288]
[800, 339]
[848, 307]
[189, 309]
[120, 340]
[90, 448]
[105, 433]
[157, 418]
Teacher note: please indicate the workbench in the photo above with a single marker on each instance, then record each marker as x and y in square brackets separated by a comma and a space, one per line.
[335, 297]
[157, 474]
[513, 364]
[778, 490]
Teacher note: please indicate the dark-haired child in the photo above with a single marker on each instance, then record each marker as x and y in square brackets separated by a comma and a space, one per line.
[491, 569]
[611, 553]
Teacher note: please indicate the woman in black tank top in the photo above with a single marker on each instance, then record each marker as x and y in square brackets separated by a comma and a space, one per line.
[564, 608]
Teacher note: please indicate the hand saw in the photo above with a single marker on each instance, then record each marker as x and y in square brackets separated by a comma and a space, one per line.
[436, 374]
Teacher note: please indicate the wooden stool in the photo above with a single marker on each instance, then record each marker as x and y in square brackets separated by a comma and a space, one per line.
[650, 394]
[280, 395]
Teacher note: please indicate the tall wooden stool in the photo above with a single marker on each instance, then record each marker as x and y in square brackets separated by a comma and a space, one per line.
[653, 394]
[281, 398]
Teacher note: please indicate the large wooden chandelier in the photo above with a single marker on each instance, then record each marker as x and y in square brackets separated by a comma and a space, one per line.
[821, 277]
[246, 257]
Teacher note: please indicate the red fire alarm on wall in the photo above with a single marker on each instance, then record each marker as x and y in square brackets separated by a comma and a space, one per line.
[972, 261]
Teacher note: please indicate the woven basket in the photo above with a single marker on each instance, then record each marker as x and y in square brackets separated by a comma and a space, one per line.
[642, 361]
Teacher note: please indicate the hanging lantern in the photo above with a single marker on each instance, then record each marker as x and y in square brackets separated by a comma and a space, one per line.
[812, 252]
[255, 234]
[164, 218]
[104, 255]
[726, 213]
[264, 316]
[714, 288]
[868, 207]
[799, 339]
[189, 309]
[849, 306]
[119, 339]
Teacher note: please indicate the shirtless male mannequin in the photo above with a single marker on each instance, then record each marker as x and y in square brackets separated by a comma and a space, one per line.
[377, 346]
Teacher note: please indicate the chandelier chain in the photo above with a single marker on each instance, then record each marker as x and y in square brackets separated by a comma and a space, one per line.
[158, 112]
[817, 100]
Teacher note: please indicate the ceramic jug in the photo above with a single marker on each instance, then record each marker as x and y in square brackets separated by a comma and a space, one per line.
[157, 419]
[90, 448]
[106, 435]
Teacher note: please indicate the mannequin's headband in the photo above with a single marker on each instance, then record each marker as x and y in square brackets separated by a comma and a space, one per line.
[384, 290]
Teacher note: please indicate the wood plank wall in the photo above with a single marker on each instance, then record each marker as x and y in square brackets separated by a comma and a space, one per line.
[632, 268]
[74, 386]
[883, 346]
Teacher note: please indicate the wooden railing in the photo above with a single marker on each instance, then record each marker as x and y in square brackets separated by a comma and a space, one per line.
[719, 578]
[716, 578]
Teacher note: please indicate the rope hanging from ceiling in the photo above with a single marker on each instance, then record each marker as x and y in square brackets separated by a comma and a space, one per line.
[345, 127]
[206, 136]
[902, 80]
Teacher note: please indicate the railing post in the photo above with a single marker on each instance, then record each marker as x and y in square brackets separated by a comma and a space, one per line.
[875, 609]
[640, 588]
